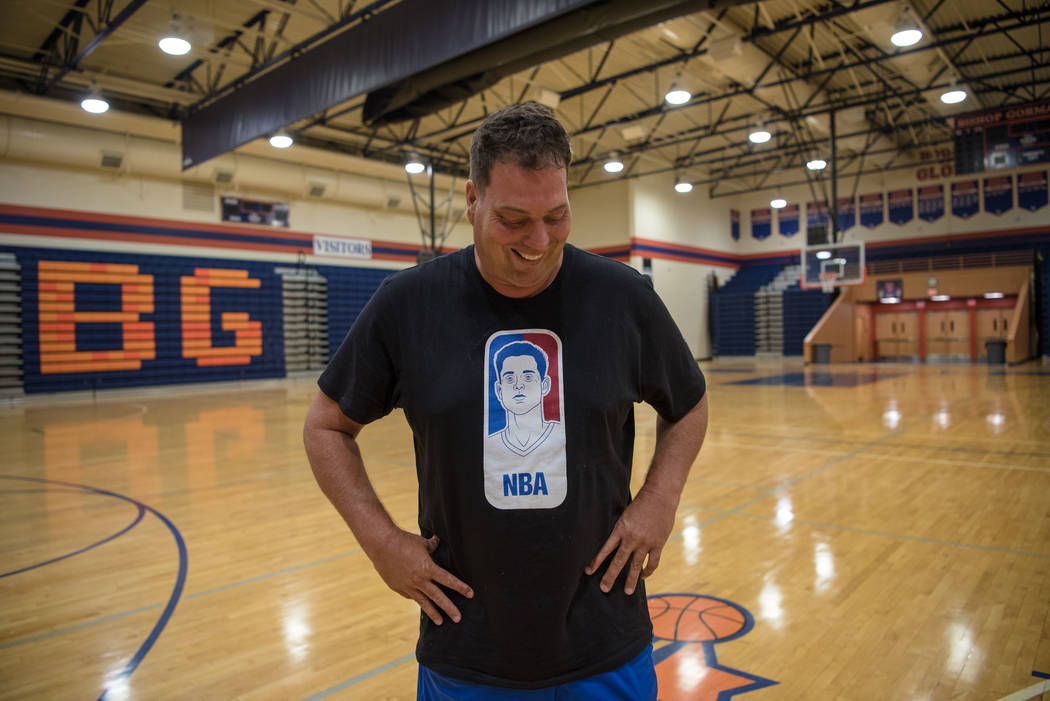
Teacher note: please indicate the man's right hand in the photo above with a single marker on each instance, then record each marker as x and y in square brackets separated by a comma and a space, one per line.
[405, 565]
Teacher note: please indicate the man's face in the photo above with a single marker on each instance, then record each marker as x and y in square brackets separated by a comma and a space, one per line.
[519, 387]
[520, 227]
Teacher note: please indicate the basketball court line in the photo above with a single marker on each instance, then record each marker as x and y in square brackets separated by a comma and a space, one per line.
[365, 676]
[940, 461]
[1028, 692]
[195, 595]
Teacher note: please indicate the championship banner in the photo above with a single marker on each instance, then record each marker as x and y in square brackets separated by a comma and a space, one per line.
[847, 213]
[734, 224]
[871, 214]
[817, 214]
[931, 202]
[999, 194]
[965, 199]
[788, 220]
[1031, 190]
[761, 223]
[901, 205]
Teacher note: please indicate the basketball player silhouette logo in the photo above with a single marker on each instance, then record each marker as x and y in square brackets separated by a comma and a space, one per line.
[686, 627]
[523, 428]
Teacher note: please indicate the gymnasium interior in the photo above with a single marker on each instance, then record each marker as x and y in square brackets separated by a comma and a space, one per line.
[842, 203]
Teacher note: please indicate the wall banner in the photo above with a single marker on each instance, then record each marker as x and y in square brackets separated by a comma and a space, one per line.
[931, 202]
[871, 213]
[788, 219]
[761, 223]
[901, 206]
[965, 199]
[999, 194]
[847, 207]
[734, 224]
[1031, 190]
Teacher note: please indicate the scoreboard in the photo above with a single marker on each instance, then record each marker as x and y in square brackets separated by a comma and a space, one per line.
[1003, 137]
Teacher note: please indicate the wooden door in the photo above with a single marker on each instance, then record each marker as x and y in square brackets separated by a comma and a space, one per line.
[886, 334]
[936, 335]
[959, 334]
[908, 334]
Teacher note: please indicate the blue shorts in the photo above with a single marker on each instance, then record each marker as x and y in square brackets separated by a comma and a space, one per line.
[634, 681]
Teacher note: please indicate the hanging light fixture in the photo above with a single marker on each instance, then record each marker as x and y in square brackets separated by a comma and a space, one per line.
[281, 140]
[778, 202]
[614, 164]
[817, 164]
[907, 33]
[93, 102]
[953, 96]
[174, 43]
[677, 95]
[683, 186]
[760, 135]
[414, 164]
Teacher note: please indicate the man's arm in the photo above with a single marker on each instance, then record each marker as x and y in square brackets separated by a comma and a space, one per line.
[646, 523]
[401, 558]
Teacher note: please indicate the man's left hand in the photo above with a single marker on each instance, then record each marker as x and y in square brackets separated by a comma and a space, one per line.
[638, 537]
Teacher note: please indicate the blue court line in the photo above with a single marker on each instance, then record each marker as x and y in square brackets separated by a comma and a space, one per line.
[180, 578]
[142, 512]
[1041, 675]
[411, 657]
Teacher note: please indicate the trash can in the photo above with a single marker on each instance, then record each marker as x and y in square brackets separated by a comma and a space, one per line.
[822, 353]
[996, 352]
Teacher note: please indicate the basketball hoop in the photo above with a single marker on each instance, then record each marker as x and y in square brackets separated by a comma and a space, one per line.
[828, 278]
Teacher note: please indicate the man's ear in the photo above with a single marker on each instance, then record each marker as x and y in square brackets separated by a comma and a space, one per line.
[472, 201]
[545, 386]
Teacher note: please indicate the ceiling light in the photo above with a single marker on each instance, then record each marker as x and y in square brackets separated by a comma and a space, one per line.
[817, 164]
[174, 45]
[94, 104]
[281, 140]
[993, 295]
[906, 36]
[940, 298]
[953, 96]
[823, 255]
[891, 300]
[683, 187]
[677, 96]
[414, 166]
[778, 203]
[759, 136]
[614, 164]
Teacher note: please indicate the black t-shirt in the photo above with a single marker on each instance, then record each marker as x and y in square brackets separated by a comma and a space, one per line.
[523, 422]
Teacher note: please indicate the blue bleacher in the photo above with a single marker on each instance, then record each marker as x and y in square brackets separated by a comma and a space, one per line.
[734, 309]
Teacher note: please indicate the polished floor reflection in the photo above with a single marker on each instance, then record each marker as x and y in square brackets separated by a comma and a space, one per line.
[849, 532]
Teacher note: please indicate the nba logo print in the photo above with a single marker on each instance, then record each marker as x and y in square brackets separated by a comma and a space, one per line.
[524, 428]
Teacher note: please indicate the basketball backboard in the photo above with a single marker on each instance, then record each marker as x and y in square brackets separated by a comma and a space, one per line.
[827, 266]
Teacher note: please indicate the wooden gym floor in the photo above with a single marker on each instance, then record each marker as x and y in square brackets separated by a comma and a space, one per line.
[849, 532]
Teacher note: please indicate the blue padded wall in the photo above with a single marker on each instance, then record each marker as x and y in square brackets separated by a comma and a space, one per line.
[801, 311]
[348, 291]
[97, 319]
[734, 309]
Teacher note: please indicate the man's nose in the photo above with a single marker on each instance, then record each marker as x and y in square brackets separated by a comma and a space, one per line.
[519, 382]
[538, 237]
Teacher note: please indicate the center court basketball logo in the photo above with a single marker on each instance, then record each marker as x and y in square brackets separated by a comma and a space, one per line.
[686, 628]
[524, 430]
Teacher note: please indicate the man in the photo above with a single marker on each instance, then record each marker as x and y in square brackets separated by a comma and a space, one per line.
[542, 594]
